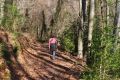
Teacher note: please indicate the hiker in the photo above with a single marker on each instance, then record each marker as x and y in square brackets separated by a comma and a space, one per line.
[53, 46]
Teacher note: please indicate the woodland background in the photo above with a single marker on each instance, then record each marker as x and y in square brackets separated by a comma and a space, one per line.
[88, 29]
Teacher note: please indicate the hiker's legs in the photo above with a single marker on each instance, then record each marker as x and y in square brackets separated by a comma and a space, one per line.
[53, 50]
[54, 53]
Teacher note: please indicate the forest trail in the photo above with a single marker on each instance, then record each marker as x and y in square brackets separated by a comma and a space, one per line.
[34, 63]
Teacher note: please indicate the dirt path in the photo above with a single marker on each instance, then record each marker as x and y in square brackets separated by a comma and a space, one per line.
[35, 63]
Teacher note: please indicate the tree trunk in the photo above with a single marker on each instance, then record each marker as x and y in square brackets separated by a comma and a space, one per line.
[103, 5]
[91, 22]
[108, 15]
[82, 16]
[80, 42]
[80, 45]
[117, 24]
[44, 28]
[1, 10]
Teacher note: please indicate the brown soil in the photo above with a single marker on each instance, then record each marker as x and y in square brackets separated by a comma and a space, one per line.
[34, 63]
